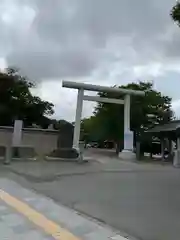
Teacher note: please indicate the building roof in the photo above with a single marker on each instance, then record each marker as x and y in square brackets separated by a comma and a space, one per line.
[169, 127]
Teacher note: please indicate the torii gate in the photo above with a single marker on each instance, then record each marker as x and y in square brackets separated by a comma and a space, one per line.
[128, 135]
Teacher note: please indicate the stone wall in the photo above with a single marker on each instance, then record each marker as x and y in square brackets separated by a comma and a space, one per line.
[43, 140]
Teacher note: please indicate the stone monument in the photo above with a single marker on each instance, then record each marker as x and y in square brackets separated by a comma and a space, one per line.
[65, 148]
[65, 138]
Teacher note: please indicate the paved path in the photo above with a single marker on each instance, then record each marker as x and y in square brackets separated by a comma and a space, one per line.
[27, 215]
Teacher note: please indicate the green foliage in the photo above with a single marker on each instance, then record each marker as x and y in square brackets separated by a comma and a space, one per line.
[17, 102]
[90, 129]
[175, 13]
[108, 120]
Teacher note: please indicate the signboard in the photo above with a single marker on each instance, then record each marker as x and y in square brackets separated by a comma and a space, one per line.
[128, 141]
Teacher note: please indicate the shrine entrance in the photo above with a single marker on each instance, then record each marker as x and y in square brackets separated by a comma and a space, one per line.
[81, 87]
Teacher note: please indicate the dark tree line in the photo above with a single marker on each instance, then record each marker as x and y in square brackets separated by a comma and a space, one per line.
[17, 101]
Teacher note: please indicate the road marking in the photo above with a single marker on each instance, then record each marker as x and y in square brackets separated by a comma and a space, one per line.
[37, 218]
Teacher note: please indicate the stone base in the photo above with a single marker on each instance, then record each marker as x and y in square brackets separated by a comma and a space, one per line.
[127, 155]
[64, 153]
[58, 159]
[2, 151]
[23, 153]
[20, 153]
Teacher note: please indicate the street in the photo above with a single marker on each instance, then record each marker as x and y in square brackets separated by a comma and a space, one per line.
[141, 200]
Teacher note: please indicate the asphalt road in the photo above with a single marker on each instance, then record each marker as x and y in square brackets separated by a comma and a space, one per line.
[143, 202]
[145, 205]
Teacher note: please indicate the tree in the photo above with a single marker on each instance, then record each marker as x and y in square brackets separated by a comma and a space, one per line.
[111, 116]
[175, 13]
[91, 129]
[57, 124]
[17, 101]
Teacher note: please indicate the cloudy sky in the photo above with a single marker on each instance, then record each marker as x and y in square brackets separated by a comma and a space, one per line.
[103, 42]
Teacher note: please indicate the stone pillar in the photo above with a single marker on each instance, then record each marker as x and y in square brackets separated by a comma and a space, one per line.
[127, 152]
[8, 155]
[17, 133]
[127, 105]
[78, 118]
[162, 148]
[176, 162]
[170, 146]
[170, 149]
[138, 150]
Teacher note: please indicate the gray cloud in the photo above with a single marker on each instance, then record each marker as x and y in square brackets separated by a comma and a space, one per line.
[62, 63]
[75, 38]
[101, 41]
[102, 19]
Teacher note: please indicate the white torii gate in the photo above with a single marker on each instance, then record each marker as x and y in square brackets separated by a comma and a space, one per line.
[128, 135]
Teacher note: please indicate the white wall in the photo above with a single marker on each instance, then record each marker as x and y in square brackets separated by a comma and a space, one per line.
[43, 141]
[6, 136]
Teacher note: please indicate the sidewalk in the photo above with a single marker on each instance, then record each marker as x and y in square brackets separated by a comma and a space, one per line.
[27, 215]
